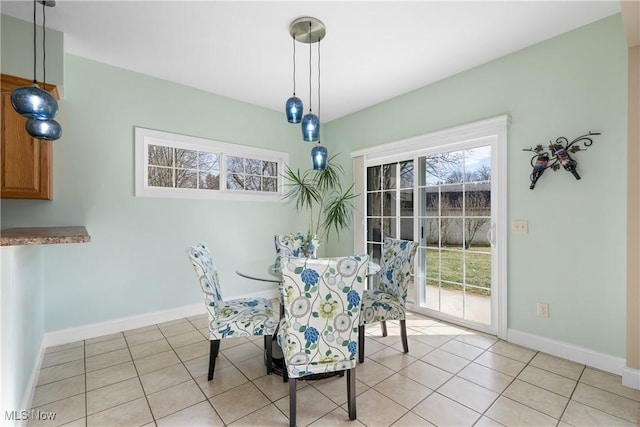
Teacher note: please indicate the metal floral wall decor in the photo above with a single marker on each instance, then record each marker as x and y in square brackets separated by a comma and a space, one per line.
[557, 154]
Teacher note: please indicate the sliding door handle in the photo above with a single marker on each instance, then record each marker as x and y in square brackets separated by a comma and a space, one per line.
[491, 234]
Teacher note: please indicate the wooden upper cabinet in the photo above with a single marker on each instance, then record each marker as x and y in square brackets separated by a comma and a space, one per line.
[27, 162]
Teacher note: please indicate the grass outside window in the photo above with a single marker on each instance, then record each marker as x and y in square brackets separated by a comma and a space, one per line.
[445, 267]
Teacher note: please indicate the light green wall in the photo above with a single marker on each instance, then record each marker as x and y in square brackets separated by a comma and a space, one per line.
[574, 255]
[22, 296]
[136, 262]
[22, 327]
[16, 40]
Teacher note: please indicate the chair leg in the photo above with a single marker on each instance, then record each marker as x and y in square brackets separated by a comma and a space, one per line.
[383, 324]
[285, 374]
[268, 345]
[403, 334]
[213, 354]
[292, 402]
[361, 343]
[351, 393]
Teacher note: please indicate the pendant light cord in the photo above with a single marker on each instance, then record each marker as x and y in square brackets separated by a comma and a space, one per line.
[44, 47]
[318, 82]
[34, 43]
[309, 36]
[293, 37]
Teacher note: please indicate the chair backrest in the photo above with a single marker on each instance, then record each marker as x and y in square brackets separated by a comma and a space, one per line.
[322, 299]
[285, 246]
[398, 257]
[205, 268]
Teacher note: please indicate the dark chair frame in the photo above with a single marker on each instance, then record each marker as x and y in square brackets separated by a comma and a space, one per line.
[383, 325]
[214, 349]
[351, 395]
[351, 387]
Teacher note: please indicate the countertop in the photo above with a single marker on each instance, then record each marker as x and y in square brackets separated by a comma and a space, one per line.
[43, 236]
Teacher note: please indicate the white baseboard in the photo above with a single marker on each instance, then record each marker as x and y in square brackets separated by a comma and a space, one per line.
[93, 330]
[631, 378]
[31, 385]
[604, 362]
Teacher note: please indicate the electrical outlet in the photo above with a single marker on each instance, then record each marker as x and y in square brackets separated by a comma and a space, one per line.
[520, 226]
[543, 309]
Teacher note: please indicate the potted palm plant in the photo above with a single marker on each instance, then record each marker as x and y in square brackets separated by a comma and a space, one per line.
[320, 192]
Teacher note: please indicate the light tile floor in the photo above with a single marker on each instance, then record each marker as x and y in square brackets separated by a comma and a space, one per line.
[451, 377]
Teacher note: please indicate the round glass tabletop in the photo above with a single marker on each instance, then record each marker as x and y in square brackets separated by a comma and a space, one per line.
[261, 269]
[265, 270]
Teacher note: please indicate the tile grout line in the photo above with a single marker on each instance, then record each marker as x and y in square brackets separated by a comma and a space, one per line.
[603, 390]
[383, 347]
[501, 394]
[483, 413]
[271, 402]
[183, 365]
[207, 399]
[86, 392]
[572, 393]
[144, 392]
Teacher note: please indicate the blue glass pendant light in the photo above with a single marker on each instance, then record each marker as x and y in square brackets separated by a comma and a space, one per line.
[34, 103]
[309, 30]
[310, 127]
[294, 107]
[319, 157]
[31, 101]
[49, 130]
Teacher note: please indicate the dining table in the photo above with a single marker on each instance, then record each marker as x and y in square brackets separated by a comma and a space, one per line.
[263, 270]
[267, 270]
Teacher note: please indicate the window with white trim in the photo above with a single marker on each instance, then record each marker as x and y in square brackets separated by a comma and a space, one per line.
[180, 166]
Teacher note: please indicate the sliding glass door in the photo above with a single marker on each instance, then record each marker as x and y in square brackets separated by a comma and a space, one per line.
[455, 223]
[389, 204]
[443, 198]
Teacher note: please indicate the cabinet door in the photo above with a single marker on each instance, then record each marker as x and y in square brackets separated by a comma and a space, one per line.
[26, 170]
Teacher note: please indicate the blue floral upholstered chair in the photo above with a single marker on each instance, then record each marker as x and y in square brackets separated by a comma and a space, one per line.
[318, 333]
[242, 317]
[285, 246]
[296, 245]
[387, 302]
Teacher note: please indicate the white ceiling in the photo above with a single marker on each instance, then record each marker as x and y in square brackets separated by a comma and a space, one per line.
[373, 51]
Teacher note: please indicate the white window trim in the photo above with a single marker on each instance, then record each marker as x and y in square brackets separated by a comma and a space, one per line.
[495, 127]
[145, 137]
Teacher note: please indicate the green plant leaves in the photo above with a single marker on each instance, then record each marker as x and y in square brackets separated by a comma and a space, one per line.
[302, 189]
[322, 191]
[338, 211]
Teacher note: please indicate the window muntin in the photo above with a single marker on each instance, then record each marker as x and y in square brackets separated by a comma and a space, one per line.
[179, 168]
[389, 204]
[251, 174]
[172, 165]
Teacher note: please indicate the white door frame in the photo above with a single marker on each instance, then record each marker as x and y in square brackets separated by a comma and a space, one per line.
[413, 147]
